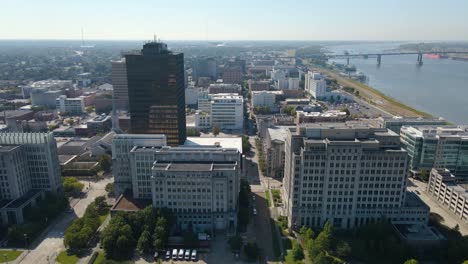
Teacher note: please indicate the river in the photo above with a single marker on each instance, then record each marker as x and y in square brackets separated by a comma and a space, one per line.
[438, 87]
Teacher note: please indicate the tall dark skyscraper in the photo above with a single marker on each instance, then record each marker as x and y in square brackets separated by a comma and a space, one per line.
[156, 92]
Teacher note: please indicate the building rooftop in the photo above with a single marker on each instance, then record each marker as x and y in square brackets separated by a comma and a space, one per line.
[7, 148]
[23, 199]
[129, 204]
[99, 119]
[49, 83]
[279, 132]
[268, 92]
[14, 113]
[329, 113]
[436, 131]
[224, 142]
[417, 232]
[411, 119]
[226, 96]
[194, 166]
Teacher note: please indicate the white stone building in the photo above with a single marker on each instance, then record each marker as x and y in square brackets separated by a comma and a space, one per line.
[198, 182]
[225, 110]
[444, 188]
[264, 98]
[202, 119]
[70, 105]
[29, 166]
[315, 84]
[122, 144]
[348, 174]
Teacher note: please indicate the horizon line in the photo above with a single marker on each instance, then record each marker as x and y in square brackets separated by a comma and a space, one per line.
[231, 40]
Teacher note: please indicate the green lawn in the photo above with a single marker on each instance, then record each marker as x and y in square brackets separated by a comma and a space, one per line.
[101, 259]
[64, 258]
[267, 194]
[102, 218]
[10, 255]
[276, 196]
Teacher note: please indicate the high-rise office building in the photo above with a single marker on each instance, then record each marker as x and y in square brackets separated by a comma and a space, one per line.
[441, 147]
[198, 182]
[29, 166]
[119, 83]
[349, 174]
[155, 79]
[205, 67]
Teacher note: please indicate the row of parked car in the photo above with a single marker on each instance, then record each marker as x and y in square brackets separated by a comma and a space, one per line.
[181, 254]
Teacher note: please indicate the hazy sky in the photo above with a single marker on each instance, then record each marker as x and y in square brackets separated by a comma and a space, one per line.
[235, 19]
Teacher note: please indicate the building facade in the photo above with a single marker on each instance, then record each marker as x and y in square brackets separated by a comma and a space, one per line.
[199, 183]
[232, 74]
[436, 147]
[348, 174]
[30, 167]
[155, 79]
[122, 144]
[227, 111]
[74, 106]
[315, 84]
[45, 98]
[217, 88]
[444, 188]
[395, 123]
[120, 85]
[318, 117]
[205, 67]
[264, 98]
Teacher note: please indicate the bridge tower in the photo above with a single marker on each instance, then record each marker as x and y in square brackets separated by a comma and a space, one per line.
[347, 61]
[420, 57]
[379, 59]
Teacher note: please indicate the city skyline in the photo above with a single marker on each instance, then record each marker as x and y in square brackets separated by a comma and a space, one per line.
[243, 20]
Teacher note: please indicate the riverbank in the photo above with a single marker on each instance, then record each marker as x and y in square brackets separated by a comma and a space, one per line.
[374, 96]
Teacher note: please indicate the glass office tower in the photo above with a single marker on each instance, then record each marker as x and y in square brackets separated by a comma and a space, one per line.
[156, 92]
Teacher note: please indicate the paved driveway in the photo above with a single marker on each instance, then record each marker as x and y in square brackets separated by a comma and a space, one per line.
[52, 243]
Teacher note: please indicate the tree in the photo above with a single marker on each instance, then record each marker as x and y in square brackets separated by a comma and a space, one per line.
[110, 188]
[343, 250]
[117, 238]
[323, 242]
[346, 110]
[297, 251]
[101, 204]
[89, 109]
[191, 132]
[246, 146]
[289, 110]
[144, 242]
[235, 243]
[251, 251]
[306, 234]
[70, 121]
[105, 162]
[411, 261]
[216, 130]
[323, 258]
[160, 234]
[72, 185]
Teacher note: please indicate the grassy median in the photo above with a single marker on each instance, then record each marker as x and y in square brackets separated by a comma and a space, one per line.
[9, 255]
